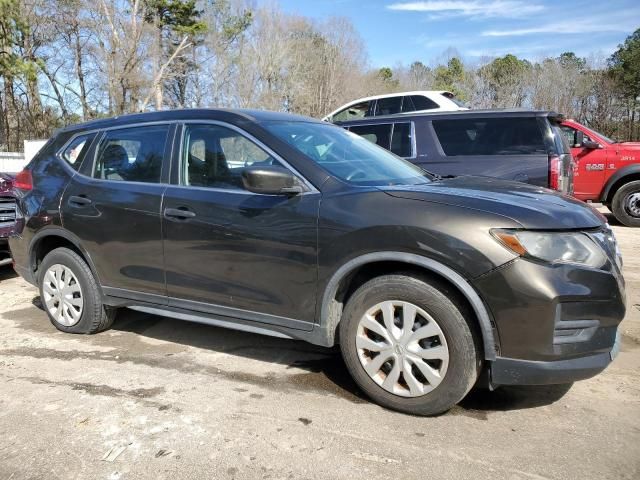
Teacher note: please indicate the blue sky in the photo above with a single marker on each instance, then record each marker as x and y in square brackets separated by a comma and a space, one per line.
[398, 31]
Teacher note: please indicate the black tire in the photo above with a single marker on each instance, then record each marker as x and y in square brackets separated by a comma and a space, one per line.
[619, 204]
[451, 316]
[95, 316]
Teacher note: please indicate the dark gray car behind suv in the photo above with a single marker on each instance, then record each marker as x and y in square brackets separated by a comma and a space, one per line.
[523, 145]
[286, 226]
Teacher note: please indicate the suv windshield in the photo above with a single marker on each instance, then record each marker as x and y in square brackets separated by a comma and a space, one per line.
[346, 155]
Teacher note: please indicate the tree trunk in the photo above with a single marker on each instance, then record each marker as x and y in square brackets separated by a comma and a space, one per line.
[158, 62]
[86, 112]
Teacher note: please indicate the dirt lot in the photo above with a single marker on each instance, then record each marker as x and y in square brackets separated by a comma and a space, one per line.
[157, 398]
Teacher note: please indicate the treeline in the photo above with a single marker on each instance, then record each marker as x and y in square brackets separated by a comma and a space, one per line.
[65, 61]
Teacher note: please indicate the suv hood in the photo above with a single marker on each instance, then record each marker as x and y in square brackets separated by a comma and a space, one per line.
[531, 206]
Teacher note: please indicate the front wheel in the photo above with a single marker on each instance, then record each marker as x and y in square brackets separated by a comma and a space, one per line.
[626, 204]
[408, 344]
[70, 294]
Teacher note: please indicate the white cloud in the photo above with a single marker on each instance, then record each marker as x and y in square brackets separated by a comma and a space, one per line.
[470, 8]
[560, 28]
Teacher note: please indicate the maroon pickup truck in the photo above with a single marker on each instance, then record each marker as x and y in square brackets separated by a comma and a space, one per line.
[7, 216]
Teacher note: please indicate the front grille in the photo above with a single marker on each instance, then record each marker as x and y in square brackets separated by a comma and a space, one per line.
[7, 211]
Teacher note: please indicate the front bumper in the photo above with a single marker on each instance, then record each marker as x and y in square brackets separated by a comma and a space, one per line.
[510, 371]
[555, 323]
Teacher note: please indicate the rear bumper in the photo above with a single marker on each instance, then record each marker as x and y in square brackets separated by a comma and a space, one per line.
[5, 254]
[25, 274]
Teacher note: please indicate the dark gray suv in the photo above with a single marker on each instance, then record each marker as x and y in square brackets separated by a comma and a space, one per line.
[286, 226]
[512, 144]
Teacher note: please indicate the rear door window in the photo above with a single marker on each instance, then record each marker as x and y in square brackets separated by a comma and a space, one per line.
[379, 133]
[132, 154]
[353, 112]
[490, 136]
[388, 106]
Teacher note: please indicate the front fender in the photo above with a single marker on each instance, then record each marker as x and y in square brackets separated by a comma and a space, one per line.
[330, 311]
[616, 177]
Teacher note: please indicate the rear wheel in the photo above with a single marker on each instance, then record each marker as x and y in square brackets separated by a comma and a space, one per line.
[70, 294]
[408, 345]
[626, 204]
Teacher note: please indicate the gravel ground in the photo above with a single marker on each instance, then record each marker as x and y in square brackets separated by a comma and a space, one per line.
[157, 398]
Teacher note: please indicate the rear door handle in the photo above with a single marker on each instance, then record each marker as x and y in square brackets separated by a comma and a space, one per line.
[79, 201]
[182, 213]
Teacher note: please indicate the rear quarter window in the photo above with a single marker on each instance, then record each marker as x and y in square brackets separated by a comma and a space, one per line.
[490, 136]
[420, 102]
[74, 151]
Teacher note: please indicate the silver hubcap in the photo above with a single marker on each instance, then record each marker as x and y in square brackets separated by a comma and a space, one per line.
[633, 204]
[402, 348]
[62, 295]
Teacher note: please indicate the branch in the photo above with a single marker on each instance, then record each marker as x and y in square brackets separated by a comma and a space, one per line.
[183, 45]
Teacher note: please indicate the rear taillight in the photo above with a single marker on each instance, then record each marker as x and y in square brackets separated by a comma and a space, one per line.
[555, 172]
[23, 180]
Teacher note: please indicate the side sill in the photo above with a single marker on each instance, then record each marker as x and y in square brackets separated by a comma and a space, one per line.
[214, 315]
[314, 337]
[216, 322]
[125, 298]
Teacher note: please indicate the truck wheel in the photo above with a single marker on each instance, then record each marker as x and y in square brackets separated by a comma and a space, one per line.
[626, 204]
[408, 346]
[70, 294]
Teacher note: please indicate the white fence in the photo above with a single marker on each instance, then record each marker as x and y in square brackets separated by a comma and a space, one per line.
[11, 162]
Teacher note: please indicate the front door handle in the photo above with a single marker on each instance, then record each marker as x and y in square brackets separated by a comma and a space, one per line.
[79, 201]
[181, 213]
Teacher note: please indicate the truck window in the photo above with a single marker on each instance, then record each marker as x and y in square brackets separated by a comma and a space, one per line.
[380, 133]
[571, 134]
[490, 136]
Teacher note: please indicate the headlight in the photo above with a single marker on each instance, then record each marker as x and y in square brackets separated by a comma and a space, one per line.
[553, 247]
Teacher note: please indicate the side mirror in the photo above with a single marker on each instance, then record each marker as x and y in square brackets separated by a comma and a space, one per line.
[590, 144]
[271, 180]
